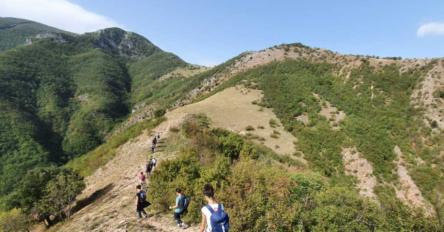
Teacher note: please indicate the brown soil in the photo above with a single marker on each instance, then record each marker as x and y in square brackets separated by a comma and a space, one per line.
[360, 168]
[407, 191]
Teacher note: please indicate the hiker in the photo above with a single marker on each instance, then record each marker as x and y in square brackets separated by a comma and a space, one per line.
[142, 179]
[152, 148]
[141, 202]
[149, 167]
[154, 142]
[154, 162]
[214, 218]
[158, 136]
[180, 207]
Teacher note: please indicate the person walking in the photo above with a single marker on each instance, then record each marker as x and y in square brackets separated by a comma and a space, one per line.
[154, 142]
[141, 202]
[214, 217]
[142, 180]
[149, 167]
[154, 162]
[180, 208]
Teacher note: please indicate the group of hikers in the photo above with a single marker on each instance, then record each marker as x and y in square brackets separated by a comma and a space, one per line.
[214, 217]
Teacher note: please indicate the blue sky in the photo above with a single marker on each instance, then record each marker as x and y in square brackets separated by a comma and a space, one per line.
[210, 32]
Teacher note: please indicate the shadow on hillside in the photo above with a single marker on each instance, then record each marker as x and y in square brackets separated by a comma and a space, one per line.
[92, 198]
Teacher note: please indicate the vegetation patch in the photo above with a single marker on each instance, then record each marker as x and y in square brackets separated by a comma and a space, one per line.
[88, 163]
[259, 195]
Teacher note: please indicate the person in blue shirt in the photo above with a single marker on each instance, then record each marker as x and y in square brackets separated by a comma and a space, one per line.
[179, 208]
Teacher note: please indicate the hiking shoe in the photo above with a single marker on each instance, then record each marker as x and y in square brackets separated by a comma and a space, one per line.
[184, 226]
[179, 225]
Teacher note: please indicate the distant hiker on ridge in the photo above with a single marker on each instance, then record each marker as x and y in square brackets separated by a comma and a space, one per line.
[180, 207]
[141, 202]
[154, 142]
[214, 218]
[149, 167]
[142, 179]
[154, 162]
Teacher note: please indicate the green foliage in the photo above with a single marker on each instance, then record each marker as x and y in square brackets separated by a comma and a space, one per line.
[15, 32]
[59, 193]
[14, 221]
[61, 96]
[86, 164]
[261, 196]
[159, 113]
[31, 188]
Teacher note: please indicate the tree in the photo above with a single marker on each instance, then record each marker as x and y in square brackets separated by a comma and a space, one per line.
[60, 192]
[31, 189]
[14, 221]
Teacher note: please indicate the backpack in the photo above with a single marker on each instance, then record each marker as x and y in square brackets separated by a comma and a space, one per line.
[142, 199]
[142, 196]
[183, 203]
[220, 221]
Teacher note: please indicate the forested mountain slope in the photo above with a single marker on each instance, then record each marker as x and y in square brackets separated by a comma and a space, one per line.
[60, 96]
[16, 32]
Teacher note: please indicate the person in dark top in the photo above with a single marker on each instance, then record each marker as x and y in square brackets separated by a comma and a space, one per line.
[149, 167]
[141, 202]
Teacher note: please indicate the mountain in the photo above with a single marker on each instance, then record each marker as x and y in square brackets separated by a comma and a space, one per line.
[293, 138]
[61, 95]
[15, 32]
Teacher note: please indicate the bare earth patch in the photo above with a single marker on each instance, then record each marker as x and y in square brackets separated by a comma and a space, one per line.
[407, 191]
[427, 96]
[232, 109]
[360, 168]
[331, 113]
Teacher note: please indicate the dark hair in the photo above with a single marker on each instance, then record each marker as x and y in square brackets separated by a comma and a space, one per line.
[178, 190]
[208, 191]
[139, 186]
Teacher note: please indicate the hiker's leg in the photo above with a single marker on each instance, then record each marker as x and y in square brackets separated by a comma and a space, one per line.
[177, 218]
[144, 213]
[139, 213]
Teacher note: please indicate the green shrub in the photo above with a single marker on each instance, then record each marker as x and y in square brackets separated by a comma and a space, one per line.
[14, 221]
[159, 113]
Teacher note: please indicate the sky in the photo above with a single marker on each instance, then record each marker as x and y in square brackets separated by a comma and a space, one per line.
[209, 32]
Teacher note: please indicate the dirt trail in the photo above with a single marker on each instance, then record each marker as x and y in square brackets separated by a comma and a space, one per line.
[111, 190]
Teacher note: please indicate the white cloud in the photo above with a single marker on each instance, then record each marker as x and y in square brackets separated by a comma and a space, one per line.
[432, 28]
[61, 14]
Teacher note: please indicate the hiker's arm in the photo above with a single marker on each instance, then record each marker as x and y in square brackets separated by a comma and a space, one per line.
[175, 206]
[202, 224]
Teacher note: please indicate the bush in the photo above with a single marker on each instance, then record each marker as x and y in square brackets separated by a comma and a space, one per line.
[249, 128]
[159, 113]
[14, 221]
[273, 123]
[59, 193]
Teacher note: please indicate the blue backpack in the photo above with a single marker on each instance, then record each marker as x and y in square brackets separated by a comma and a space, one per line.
[220, 221]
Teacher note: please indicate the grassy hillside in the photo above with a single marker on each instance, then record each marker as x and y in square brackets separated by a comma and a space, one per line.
[264, 194]
[64, 95]
[379, 116]
[15, 32]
